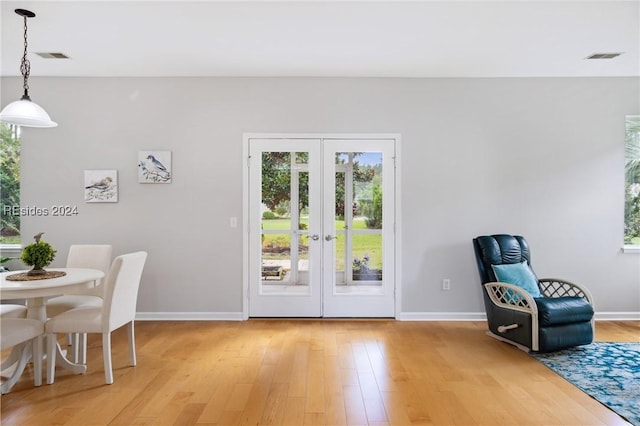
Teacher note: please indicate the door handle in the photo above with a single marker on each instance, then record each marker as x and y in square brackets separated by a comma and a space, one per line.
[329, 237]
[315, 237]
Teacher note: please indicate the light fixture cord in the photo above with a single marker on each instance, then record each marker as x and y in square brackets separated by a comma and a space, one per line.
[25, 65]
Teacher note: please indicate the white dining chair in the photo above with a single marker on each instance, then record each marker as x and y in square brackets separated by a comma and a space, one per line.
[12, 310]
[93, 256]
[118, 309]
[25, 335]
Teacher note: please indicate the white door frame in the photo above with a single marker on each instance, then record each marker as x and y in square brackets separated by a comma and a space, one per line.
[245, 200]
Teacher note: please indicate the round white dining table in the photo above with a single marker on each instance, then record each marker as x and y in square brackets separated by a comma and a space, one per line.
[36, 292]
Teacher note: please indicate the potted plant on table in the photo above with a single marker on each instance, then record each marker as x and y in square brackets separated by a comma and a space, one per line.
[38, 255]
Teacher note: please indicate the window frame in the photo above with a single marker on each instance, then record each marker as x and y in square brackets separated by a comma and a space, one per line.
[629, 248]
[13, 250]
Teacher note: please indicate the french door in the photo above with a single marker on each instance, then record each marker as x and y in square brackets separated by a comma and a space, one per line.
[321, 227]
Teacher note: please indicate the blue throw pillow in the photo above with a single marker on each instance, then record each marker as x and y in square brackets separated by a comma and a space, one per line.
[518, 274]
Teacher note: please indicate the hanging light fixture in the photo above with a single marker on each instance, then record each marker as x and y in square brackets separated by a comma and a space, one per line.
[25, 112]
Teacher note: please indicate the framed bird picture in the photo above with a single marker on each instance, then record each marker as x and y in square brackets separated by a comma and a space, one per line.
[154, 167]
[101, 186]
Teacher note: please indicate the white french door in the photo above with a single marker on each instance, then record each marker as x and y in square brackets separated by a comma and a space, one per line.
[285, 248]
[358, 225]
[321, 214]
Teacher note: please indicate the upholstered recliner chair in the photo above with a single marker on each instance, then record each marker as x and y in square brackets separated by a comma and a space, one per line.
[538, 315]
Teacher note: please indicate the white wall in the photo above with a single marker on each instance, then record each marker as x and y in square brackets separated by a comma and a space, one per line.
[538, 157]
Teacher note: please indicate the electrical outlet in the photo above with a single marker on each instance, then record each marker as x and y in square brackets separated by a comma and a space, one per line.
[446, 284]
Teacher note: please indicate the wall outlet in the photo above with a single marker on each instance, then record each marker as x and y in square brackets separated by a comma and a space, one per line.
[446, 284]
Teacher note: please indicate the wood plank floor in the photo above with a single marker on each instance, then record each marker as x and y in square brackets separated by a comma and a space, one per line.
[312, 372]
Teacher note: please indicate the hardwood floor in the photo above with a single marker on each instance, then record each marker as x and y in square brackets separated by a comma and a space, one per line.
[316, 372]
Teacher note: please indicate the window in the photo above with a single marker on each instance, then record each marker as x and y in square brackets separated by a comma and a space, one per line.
[10, 184]
[632, 182]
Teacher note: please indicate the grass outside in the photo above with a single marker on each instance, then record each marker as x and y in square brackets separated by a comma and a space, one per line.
[278, 244]
[10, 240]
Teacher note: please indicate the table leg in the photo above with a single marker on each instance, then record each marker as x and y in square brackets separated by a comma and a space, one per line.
[13, 357]
[62, 361]
[25, 356]
[36, 308]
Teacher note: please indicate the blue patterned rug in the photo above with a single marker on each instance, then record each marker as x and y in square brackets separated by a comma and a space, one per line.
[608, 372]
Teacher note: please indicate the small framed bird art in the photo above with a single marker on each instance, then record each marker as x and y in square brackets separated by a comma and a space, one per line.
[101, 186]
[154, 167]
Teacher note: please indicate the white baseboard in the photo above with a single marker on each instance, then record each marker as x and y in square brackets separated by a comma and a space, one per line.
[189, 316]
[481, 316]
[404, 316]
[617, 316]
[442, 316]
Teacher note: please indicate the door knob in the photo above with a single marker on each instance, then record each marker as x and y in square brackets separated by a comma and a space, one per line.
[329, 237]
[315, 237]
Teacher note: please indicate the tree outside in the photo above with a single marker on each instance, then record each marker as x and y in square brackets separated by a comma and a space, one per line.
[276, 186]
[9, 185]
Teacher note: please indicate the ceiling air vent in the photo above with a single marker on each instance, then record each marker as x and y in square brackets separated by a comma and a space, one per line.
[52, 55]
[603, 55]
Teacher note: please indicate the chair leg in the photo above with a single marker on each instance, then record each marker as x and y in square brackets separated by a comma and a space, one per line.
[37, 361]
[106, 355]
[74, 339]
[82, 348]
[51, 357]
[132, 343]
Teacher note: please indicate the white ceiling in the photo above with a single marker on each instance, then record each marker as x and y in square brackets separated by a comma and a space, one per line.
[511, 38]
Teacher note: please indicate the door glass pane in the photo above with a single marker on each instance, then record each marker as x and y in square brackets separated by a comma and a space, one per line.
[358, 222]
[284, 223]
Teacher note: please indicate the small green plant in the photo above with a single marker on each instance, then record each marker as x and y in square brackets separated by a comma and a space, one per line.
[281, 210]
[38, 255]
[268, 214]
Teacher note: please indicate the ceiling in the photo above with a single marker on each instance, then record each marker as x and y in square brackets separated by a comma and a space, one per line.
[509, 38]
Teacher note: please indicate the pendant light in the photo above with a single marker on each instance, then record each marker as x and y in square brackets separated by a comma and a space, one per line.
[25, 112]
